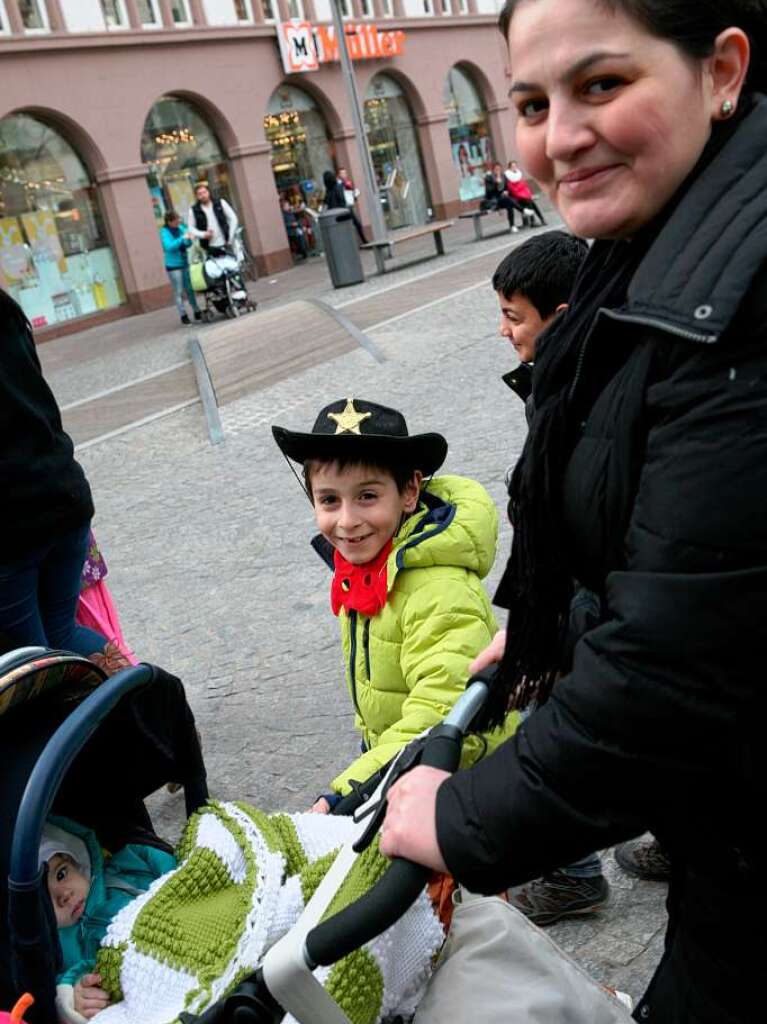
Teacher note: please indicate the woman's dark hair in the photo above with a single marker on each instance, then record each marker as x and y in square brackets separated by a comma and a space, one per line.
[170, 216]
[692, 25]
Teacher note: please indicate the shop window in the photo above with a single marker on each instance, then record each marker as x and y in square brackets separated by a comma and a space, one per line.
[149, 13]
[345, 6]
[180, 148]
[268, 7]
[366, 7]
[396, 155]
[295, 9]
[387, 8]
[469, 136]
[179, 10]
[5, 27]
[301, 152]
[34, 16]
[55, 257]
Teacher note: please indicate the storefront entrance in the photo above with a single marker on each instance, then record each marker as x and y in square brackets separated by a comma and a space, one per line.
[181, 148]
[469, 136]
[396, 154]
[55, 259]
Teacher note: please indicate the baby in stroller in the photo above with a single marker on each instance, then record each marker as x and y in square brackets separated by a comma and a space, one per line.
[87, 890]
[218, 281]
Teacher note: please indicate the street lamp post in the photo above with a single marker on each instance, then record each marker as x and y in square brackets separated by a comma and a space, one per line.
[369, 182]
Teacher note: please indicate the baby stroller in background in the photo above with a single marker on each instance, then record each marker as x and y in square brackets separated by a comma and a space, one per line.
[219, 281]
[90, 748]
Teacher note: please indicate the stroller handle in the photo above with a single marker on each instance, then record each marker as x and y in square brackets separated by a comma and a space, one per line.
[388, 900]
[52, 765]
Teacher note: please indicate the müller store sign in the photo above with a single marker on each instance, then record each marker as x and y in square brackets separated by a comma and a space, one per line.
[305, 47]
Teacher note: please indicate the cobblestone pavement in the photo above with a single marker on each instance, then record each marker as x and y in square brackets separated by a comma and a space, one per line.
[211, 568]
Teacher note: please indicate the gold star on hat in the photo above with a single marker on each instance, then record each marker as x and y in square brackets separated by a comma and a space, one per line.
[348, 421]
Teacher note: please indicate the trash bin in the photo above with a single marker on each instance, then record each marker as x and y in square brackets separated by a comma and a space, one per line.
[339, 240]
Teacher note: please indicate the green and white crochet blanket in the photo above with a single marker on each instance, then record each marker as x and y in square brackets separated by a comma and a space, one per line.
[243, 880]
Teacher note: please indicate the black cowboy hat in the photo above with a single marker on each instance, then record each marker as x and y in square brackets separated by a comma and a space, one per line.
[352, 427]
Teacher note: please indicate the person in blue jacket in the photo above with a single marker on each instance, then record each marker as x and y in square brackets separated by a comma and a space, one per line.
[87, 890]
[175, 242]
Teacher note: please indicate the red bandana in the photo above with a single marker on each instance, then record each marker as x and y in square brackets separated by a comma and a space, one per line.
[360, 588]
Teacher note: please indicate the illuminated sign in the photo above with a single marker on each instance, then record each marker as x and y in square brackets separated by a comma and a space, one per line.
[304, 47]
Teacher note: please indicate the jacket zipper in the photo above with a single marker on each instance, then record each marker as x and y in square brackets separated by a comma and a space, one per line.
[353, 659]
[366, 647]
[647, 321]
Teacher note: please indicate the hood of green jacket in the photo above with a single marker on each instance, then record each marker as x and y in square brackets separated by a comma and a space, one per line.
[456, 524]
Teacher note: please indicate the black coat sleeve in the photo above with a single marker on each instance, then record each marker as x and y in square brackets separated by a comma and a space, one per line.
[657, 725]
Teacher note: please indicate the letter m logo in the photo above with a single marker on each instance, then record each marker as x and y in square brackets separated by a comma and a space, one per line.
[297, 47]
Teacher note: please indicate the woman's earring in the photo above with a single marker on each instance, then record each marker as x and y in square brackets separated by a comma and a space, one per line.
[727, 108]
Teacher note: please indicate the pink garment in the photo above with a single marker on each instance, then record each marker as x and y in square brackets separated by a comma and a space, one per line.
[96, 610]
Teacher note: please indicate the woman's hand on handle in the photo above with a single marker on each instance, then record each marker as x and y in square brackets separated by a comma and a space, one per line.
[410, 827]
[491, 654]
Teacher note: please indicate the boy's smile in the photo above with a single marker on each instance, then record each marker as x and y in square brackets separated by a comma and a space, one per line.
[359, 509]
[69, 889]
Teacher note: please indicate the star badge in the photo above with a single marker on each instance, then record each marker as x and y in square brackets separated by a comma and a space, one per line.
[348, 421]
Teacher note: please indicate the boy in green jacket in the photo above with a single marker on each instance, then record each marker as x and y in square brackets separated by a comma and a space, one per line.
[87, 890]
[408, 559]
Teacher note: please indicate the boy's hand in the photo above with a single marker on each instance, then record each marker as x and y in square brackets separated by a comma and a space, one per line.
[321, 806]
[89, 997]
[491, 655]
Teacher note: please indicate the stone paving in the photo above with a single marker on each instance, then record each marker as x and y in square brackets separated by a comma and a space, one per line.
[211, 568]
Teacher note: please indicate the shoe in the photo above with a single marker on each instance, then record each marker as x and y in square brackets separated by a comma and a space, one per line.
[644, 858]
[514, 230]
[197, 315]
[555, 896]
[185, 320]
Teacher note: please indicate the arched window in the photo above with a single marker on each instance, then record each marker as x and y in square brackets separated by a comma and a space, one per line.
[469, 136]
[301, 148]
[181, 149]
[396, 155]
[55, 257]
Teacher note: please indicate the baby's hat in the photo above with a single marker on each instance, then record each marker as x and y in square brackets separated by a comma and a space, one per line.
[57, 840]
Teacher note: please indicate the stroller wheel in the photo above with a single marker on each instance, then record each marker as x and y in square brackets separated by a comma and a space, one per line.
[230, 312]
[208, 316]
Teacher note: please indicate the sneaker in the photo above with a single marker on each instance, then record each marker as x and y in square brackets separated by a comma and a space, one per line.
[185, 319]
[197, 315]
[644, 858]
[557, 895]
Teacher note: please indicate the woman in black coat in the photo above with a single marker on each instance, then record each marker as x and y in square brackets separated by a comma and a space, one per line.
[335, 199]
[644, 476]
[46, 504]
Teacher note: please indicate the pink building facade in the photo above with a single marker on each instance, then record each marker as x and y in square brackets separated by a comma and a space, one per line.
[106, 125]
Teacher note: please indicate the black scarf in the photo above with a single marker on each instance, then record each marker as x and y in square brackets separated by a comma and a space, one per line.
[537, 586]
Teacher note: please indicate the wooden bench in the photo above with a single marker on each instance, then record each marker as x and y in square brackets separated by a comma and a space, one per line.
[385, 246]
[476, 216]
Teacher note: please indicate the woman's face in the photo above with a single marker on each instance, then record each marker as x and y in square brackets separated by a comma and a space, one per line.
[610, 119]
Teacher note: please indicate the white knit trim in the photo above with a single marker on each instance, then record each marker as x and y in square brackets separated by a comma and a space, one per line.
[319, 840]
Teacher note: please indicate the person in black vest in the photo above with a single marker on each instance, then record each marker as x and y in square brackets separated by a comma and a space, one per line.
[46, 505]
[212, 221]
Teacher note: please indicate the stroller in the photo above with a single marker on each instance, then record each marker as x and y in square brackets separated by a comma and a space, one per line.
[62, 722]
[220, 282]
[91, 748]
